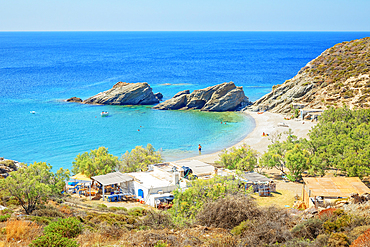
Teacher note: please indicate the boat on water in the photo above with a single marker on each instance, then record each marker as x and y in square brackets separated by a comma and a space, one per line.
[32, 112]
[104, 114]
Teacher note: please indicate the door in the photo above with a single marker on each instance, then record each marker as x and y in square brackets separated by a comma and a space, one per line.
[141, 193]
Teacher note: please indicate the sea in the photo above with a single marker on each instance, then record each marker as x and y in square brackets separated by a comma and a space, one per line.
[39, 70]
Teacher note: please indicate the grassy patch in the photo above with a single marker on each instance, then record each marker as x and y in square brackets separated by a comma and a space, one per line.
[279, 198]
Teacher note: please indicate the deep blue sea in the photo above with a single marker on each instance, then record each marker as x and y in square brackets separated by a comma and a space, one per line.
[38, 70]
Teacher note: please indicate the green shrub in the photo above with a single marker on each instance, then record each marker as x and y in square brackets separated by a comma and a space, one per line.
[102, 206]
[297, 242]
[160, 243]
[240, 228]
[4, 217]
[53, 240]
[137, 211]
[12, 201]
[41, 220]
[115, 209]
[6, 211]
[308, 229]
[338, 240]
[68, 227]
[338, 224]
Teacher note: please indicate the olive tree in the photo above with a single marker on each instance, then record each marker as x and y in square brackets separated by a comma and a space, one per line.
[243, 158]
[139, 158]
[33, 184]
[96, 162]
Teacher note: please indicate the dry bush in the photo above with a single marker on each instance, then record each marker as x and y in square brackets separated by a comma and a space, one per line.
[19, 230]
[230, 241]
[197, 236]
[158, 220]
[363, 240]
[228, 212]
[357, 231]
[271, 226]
[338, 240]
[309, 229]
[48, 211]
[111, 231]
[260, 226]
[90, 238]
[66, 210]
[105, 234]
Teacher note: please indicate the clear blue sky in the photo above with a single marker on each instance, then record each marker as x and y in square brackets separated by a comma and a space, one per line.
[184, 15]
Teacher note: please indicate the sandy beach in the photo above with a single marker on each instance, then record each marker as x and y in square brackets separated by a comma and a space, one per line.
[267, 123]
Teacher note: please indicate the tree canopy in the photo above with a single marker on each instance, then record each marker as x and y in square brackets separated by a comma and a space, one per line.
[96, 162]
[243, 158]
[341, 140]
[139, 158]
[33, 184]
[275, 156]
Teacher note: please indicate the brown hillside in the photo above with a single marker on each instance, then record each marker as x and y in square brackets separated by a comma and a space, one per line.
[340, 75]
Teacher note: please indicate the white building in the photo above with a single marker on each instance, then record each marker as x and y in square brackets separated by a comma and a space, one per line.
[161, 179]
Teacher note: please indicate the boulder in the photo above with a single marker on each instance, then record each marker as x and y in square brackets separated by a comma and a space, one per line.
[74, 99]
[222, 97]
[229, 102]
[181, 93]
[159, 96]
[354, 198]
[173, 104]
[365, 197]
[124, 93]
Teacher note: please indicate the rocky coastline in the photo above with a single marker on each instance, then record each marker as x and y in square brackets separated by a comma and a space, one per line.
[339, 76]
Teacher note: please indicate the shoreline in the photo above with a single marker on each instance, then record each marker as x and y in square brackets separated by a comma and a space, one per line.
[267, 123]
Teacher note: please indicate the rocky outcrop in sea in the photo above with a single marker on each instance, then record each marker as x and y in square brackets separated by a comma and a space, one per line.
[222, 97]
[124, 93]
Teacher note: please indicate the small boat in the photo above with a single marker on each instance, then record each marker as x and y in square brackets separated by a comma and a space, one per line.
[32, 112]
[104, 114]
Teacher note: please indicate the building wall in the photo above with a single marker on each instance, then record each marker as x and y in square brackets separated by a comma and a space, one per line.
[135, 186]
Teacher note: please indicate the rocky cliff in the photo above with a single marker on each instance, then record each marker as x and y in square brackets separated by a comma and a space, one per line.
[222, 97]
[340, 75]
[124, 93]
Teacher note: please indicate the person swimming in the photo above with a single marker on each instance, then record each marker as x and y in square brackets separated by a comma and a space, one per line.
[200, 148]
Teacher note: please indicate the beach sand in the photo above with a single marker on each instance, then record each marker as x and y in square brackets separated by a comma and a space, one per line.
[267, 123]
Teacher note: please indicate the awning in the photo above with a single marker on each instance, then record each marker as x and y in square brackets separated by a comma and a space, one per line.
[336, 186]
[255, 177]
[112, 178]
[81, 177]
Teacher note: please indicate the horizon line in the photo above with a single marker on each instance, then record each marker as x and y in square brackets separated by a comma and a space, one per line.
[184, 31]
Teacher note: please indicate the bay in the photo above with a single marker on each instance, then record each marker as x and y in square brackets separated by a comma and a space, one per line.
[38, 70]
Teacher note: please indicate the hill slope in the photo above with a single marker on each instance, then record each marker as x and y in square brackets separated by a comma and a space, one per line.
[340, 75]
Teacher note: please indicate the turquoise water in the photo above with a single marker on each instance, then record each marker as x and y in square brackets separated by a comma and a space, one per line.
[40, 69]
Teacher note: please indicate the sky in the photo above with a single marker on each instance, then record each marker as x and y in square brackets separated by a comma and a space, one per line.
[184, 15]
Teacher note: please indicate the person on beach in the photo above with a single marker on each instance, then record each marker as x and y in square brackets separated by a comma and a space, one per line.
[200, 149]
